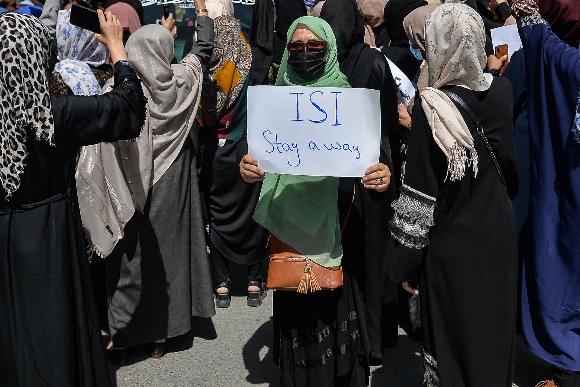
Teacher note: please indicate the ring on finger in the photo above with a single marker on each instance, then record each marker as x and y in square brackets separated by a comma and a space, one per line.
[381, 180]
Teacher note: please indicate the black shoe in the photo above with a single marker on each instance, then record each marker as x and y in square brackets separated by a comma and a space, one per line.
[117, 355]
[158, 350]
[222, 300]
[255, 298]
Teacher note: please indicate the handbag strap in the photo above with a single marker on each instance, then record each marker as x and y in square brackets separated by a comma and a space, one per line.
[455, 98]
[349, 211]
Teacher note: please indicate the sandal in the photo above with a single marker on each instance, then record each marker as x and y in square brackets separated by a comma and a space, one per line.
[158, 350]
[222, 300]
[117, 355]
[255, 298]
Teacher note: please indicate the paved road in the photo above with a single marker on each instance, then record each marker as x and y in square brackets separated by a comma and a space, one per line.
[234, 350]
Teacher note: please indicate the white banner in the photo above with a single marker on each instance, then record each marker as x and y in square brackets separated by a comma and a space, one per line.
[314, 131]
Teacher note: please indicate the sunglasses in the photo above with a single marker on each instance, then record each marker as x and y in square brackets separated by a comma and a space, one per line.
[295, 48]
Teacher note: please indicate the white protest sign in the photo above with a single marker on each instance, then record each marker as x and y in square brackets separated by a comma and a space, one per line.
[314, 131]
[507, 35]
[406, 89]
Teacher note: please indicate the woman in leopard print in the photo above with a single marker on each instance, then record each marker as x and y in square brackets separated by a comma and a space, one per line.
[46, 301]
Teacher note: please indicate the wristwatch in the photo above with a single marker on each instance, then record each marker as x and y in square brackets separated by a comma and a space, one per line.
[494, 72]
[202, 10]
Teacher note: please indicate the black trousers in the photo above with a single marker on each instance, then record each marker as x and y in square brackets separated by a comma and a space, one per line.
[220, 268]
[565, 378]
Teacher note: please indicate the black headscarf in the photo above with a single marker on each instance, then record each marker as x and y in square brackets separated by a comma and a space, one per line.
[347, 25]
[395, 12]
[286, 12]
[136, 4]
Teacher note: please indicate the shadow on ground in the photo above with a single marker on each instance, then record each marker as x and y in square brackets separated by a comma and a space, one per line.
[257, 354]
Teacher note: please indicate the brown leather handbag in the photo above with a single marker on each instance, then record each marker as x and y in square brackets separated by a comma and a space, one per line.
[290, 270]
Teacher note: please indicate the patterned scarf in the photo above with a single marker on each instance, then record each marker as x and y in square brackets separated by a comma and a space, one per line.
[454, 42]
[24, 97]
[77, 50]
[229, 68]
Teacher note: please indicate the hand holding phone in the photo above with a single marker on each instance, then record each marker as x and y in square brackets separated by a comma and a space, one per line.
[169, 23]
[500, 52]
[86, 18]
[112, 35]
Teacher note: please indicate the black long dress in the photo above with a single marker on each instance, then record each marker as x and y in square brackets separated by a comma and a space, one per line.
[231, 202]
[468, 277]
[270, 23]
[158, 275]
[50, 332]
[365, 67]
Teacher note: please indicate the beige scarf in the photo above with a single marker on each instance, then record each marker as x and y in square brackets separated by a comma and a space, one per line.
[414, 25]
[114, 179]
[454, 44]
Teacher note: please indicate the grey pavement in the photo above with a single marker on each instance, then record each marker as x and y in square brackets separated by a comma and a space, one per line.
[234, 349]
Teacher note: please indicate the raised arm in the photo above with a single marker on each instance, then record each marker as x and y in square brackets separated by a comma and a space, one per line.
[536, 32]
[203, 46]
[118, 115]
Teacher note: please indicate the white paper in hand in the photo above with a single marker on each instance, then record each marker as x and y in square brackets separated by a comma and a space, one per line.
[507, 35]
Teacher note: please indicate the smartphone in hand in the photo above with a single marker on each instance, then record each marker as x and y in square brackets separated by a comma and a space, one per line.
[86, 18]
[500, 51]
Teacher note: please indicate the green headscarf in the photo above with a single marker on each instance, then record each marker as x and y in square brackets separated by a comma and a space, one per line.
[302, 211]
[332, 77]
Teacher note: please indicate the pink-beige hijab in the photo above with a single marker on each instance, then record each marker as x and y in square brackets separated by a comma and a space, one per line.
[454, 44]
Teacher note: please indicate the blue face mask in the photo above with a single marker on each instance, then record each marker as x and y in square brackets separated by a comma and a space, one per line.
[415, 51]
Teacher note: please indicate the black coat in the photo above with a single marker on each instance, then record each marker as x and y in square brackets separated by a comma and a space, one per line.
[45, 293]
[468, 270]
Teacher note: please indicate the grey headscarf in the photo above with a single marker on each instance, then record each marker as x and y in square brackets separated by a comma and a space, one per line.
[110, 193]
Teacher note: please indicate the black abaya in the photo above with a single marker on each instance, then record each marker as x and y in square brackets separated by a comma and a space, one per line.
[46, 298]
[262, 41]
[231, 202]
[366, 67]
[468, 281]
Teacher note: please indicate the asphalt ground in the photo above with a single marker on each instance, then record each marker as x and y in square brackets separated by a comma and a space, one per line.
[234, 349]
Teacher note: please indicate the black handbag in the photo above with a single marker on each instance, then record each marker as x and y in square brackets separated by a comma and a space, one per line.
[455, 98]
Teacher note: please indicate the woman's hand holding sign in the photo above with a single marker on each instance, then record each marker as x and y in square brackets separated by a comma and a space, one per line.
[250, 170]
[377, 177]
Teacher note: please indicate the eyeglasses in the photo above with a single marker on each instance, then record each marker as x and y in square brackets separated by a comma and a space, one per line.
[295, 48]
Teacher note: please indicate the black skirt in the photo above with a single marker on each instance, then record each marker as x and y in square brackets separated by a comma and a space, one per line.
[320, 338]
[49, 333]
[231, 202]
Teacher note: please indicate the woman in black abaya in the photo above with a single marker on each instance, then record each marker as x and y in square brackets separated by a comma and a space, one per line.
[366, 67]
[454, 223]
[50, 332]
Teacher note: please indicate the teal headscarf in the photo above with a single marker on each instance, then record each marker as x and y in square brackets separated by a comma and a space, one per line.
[302, 211]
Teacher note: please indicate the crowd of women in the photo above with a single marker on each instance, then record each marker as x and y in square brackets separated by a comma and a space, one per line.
[127, 188]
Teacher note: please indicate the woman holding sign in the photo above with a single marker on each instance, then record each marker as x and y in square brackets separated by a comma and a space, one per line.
[454, 224]
[289, 206]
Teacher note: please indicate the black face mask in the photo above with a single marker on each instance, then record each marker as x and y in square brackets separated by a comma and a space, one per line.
[308, 65]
